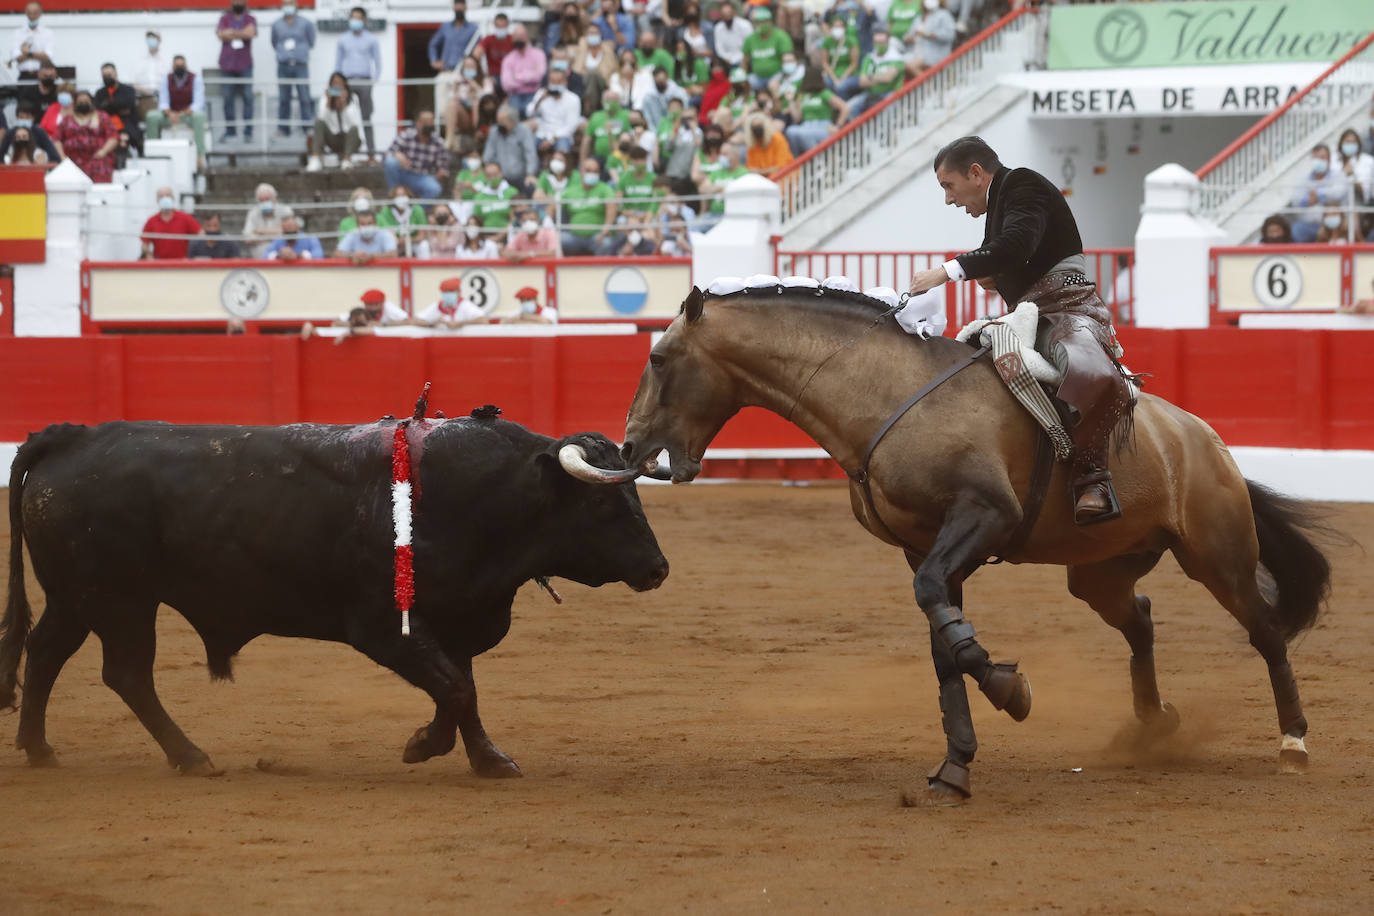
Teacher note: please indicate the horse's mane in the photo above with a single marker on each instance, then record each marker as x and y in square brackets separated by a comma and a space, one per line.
[825, 294]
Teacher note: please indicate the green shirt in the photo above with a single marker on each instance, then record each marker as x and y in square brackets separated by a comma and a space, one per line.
[815, 106]
[493, 207]
[701, 73]
[386, 219]
[765, 54]
[720, 176]
[633, 185]
[586, 207]
[477, 177]
[604, 127]
[872, 64]
[547, 185]
[900, 16]
[660, 58]
[841, 55]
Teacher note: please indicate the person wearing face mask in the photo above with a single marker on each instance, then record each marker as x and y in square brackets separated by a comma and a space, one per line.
[294, 244]
[211, 244]
[120, 102]
[529, 311]
[784, 86]
[511, 146]
[593, 62]
[690, 70]
[293, 37]
[366, 243]
[640, 237]
[617, 28]
[729, 34]
[20, 149]
[1357, 168]
[236, 30]
[1323, 188]
[567, 29]
[522, 70]
[407, 220]
[25, 118]
[33, 44]
[553, 181]
[679, 138]
[494, 47]
[1335, 230]
[152, 68]
[264, 221]
[557, 114]
[338, 126]
[452, 309]
[88, 138]
[655, 103]
[477, 245]
[460, 117]
[168, 221]
[417, 159]
[696, 33]
[470, 174]
[530, 238]
[1276, 231]
[42, 93]
[636, 188]
[590, 207]
[59, 111]
[764, 49]
[444, 234]
[604, 127]
[358, 56]
[448, 46]
[768, 150]
[491, 198]
[181, 97]
[727, 168]
[359, 201]
[930, 38]
[816, 113]
[880, 74]
[840, 58]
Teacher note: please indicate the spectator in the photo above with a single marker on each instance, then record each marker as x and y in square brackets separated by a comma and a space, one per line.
[264, 221]
[636, 184]
[236, 31]
[553, 181]
[966, 14]
[529, 310]
[690, 70]
[33, 44]
[784, 85]
[407, 220]
[417, 159]
[641, 237]
[1335, 230]
[88, 138]
[293, 38]
[812, 111]
[840, 58]
[1323, 188]
[43, 93]
[709, 156]
[531, 239]
[557, 114]
[477, 245]
[676, 223]
[522, 71]
[18, 148]
[511, 147]
[443, 235]
[880, 74]
[378, 311]
[568, 29]
[591, 209]
[729, 114]
[764, 49]
[359, 201]
[181, 97]
[930, 38]
[448, 48]
[679, 138]
[366, 243]
[120, 102]
[451, 310]
[696, 34]
[41, 145]
[560, 58]
[727, 170]
[491, 198]
[901, 17]
[655, 103]
[649, 56]
[715, 90]
[460, 116]
[497, 45]
[1356, 166]
[729, 34]
[338, 127]
[604, 127]
[615, 27]
[151, 72]
[1276, 231]
[629, 83]
[768, 150]
[59, 111]
[168, 221]
[469, 176]
[293, 245]
[212, 244]
[358, 56]
[595, 63]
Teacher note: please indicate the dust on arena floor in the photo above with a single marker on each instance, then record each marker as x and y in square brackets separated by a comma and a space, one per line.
[735, 741]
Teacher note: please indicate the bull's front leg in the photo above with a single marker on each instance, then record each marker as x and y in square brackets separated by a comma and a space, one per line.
[420, 660]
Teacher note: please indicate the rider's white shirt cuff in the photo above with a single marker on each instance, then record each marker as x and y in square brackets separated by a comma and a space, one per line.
[954, 270]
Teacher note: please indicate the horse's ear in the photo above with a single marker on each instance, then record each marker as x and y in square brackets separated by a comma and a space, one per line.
[691, 306]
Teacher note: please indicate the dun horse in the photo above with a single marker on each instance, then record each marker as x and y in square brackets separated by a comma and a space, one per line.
[949, 481]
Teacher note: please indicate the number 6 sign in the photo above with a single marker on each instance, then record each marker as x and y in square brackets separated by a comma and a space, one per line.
[1277, 282]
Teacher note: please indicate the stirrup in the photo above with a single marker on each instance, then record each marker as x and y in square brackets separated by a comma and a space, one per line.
[1080, 485]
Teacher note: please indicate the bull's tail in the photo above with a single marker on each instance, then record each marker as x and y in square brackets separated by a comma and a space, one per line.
[14, 627]
[1300, 569]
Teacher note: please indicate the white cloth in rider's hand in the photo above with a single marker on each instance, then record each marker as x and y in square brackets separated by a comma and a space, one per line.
[924, 314]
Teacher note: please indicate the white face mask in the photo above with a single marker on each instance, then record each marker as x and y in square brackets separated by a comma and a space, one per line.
[1350, 149]
[500, 33]
[367, 232]
[530, 226]
[527, 306]
[636, 237]
[837, 34]
[449, 297]
[557, 166]
[152, 43]
[402, 202]
[166, 203]
[470, 231]
[267, 206]
[593, 39]
[361, 205]
[472, 163]
[288, 11]
[1331, 221]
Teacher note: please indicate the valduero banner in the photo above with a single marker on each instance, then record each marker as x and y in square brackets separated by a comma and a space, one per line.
[1191, 34]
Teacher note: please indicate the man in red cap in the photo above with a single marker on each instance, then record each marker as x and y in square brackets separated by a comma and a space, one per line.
[531, 311]
[374, 312]
[451, 311]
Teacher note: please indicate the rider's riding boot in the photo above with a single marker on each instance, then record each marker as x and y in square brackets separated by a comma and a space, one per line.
[1094, 499]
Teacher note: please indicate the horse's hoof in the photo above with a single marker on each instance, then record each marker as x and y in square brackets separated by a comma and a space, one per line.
[1292, 755]
[1007, 689]
[1163, 723]
[495, 766]
[43, 757]
[202, 767]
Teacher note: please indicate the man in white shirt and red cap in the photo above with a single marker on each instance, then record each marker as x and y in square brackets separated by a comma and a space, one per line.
[452, 310]
[531, 311]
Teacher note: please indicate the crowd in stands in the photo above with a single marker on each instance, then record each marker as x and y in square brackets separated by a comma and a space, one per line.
[1334, 202]
[610, 129]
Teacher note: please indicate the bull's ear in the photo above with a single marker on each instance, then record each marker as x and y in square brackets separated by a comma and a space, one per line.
[691, 306]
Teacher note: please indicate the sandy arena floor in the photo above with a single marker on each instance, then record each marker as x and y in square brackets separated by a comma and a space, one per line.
[735, 742]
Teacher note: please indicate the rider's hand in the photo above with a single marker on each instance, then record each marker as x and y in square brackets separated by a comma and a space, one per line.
[926, 280]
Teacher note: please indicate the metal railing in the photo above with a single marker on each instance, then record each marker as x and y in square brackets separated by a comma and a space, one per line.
[1267, 150]
[885, 130]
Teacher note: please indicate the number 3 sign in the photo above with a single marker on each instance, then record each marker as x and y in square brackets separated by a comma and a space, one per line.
[481, 289]
[1277, 282]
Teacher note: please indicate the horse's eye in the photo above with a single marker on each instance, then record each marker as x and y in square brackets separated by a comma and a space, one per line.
[657, 360]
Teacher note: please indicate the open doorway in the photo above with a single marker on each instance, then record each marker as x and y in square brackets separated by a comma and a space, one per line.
[412, 55]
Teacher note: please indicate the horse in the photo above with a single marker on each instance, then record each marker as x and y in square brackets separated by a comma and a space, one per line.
[949, 481]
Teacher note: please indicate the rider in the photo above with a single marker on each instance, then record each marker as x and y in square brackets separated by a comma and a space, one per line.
[1032, 252]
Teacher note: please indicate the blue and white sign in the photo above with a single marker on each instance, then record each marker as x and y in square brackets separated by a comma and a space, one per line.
[626, 290]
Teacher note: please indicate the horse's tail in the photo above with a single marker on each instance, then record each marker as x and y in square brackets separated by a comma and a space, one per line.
[1301, 571]
[14, 627]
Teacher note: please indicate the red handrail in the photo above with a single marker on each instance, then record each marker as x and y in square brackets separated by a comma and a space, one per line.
[1273, 116]
[930, 72]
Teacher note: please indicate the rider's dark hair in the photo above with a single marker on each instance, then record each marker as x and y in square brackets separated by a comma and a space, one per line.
[962, 154]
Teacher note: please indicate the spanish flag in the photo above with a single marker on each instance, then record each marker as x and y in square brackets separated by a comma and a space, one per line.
[24, 201]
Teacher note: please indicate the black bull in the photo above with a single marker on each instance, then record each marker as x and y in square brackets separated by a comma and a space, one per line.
[288, 531]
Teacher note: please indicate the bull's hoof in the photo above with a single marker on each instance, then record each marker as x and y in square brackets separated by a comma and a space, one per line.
[42, 757]
[1292, 755]
[199, 767]
[495, 765]
[422, 746]
[1007, 689]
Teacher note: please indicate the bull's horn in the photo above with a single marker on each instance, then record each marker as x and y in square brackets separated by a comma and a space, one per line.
[574, 460]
